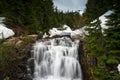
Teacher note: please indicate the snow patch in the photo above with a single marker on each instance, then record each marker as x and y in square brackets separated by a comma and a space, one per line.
[67, 31]
[104, 19]
[45, 35]
[5, 32]
[118, 67]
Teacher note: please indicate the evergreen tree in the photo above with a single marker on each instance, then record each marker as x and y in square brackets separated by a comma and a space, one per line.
[113, 36]
[97, 52]
[95, 8]
[33, 15]
[105, 47]
[95, 38]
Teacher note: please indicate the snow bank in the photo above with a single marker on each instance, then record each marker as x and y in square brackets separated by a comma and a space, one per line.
[55, 31]
[66, 31]
[104, 19]
[118, 67]
[5, 32]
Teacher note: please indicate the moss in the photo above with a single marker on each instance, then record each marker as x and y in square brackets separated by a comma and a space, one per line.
[28, 39]
[7, 78]
[7, 53]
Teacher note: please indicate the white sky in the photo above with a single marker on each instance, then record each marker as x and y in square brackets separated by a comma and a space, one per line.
[71, 5]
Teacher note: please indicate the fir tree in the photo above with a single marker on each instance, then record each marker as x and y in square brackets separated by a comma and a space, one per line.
[113, 36]
[95, 38]
[96, 50]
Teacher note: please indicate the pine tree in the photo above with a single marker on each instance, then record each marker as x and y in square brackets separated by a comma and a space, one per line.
[113, 41]
[32, 15]
[113, 36]
[96, 50]
[95, 38]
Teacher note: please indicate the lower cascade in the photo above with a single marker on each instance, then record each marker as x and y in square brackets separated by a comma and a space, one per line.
[56, 59]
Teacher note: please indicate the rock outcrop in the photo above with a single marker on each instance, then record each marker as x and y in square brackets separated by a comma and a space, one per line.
[85, 62]
[18, 52]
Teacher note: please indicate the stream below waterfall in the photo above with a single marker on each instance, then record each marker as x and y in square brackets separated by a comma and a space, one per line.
[56, 59]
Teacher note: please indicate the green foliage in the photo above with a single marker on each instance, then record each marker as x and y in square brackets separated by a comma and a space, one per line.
[95, 41]
[7, 53]
[113, 35]
[105, 47]
[95, 8]
[112, 60]
[33, 15]
[36, 15]
[71, 19]
[7, 78]
[27, 39]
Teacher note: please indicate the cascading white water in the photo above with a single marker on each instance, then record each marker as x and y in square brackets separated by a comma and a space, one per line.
[56, 59]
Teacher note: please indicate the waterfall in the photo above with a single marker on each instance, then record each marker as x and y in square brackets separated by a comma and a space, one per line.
[56, 59]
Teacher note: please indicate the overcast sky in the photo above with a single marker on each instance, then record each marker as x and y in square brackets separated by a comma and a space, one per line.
[70, 5]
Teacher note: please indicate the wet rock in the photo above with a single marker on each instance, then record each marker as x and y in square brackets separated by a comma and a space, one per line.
[83, 58]
[30, 66]
[30, 61]
[23, 68]
[28, 77]
[20, 75]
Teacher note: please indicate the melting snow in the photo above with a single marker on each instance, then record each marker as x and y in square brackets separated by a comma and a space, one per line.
[67, 31]
[118, 67]
[104, 19]
[5, 32]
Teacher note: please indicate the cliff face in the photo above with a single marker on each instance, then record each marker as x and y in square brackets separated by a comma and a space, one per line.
[85, 62]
